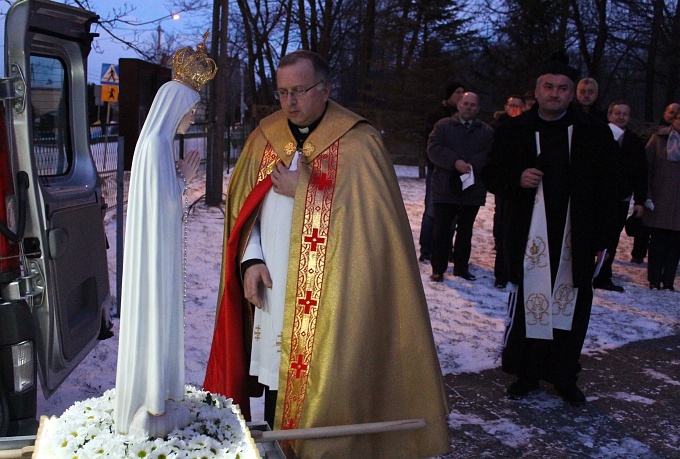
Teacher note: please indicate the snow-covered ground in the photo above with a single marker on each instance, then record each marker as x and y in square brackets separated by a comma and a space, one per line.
[467, 317]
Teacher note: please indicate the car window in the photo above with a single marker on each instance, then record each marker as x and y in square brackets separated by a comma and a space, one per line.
[51, 133]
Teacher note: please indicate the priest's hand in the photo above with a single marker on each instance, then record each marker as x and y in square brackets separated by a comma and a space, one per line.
[284, 180]
[188, 166]
[255, 278]
[462, 166]
[530, 178]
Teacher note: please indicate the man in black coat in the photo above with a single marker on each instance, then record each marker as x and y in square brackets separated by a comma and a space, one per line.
[632, 169]
[575, 170]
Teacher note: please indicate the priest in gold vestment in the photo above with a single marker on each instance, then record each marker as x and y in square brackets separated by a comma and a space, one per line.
[318, 240]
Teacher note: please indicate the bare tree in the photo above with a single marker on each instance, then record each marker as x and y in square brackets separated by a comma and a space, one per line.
[218, 105]
[592, 29]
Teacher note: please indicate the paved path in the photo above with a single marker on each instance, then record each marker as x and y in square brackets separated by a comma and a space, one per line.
[633, 410]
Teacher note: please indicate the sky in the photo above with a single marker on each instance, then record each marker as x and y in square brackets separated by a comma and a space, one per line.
[107, 50]
[467, 317]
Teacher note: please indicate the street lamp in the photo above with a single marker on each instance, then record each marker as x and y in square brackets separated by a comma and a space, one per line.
[174, 16]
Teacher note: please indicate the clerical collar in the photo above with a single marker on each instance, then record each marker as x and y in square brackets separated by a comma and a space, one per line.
[301, 133]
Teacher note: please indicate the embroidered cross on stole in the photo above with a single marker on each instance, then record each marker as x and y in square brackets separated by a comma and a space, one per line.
[546, 308]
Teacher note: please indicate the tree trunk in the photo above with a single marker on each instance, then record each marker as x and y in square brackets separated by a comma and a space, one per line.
[366, 51]
[673, 56]
[218, 105]
[650, 71]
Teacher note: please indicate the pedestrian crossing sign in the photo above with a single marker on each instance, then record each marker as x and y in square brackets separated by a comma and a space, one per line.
[110, 74]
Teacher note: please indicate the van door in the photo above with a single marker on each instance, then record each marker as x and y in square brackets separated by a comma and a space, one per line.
[65, 274]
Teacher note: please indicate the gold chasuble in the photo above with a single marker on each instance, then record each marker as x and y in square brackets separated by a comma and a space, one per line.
[357, 344]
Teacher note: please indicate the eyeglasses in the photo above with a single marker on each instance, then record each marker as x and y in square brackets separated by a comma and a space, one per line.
[284, 93]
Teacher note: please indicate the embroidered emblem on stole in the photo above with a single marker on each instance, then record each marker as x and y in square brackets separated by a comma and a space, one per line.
[267, 163]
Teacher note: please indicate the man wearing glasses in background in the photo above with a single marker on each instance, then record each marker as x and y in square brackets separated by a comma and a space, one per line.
[321, 299]
[513, 107]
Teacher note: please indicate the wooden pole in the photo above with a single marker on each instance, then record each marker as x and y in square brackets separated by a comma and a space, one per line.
[25, 452]
[337, 431]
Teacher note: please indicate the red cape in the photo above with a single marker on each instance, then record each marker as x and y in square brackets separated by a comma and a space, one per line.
[227, 371]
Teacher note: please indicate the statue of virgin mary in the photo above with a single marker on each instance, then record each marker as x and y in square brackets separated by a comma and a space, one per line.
[150, 371]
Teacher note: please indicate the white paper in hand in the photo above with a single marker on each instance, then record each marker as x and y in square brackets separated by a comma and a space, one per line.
[468, 179]
[600, 261]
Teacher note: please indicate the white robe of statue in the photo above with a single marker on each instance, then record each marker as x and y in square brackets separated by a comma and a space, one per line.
[150, 374]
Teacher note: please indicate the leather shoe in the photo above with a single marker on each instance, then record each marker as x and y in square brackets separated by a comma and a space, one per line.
[571, 394]
[424, 256]
[467, 275]
[437, 278]
[500, 284]
[522, 387]
[608, 285]
[653, 286]
[667, 287]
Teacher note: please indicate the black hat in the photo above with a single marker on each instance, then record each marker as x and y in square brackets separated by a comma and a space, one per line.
[558, 64]
[451, 87]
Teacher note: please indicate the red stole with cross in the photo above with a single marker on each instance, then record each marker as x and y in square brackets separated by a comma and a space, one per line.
[309, 284]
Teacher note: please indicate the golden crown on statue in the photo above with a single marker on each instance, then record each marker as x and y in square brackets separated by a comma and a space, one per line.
[194, 68]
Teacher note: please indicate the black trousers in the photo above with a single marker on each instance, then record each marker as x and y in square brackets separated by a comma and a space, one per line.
[444, 215]
[664, 256]
[640, 245]
[270, 406]
[606, 270]
[556, 360]
[499, 224]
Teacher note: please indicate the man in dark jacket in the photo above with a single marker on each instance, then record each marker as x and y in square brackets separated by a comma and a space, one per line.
[513, 107]
[632, 169]
[555, 166]
[458, 147]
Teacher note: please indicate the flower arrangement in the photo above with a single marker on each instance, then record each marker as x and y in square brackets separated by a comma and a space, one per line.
[86, 430]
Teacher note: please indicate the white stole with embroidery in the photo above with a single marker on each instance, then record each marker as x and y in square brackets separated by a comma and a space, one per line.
[545, 309]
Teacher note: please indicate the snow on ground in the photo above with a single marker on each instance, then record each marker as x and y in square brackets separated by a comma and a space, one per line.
[467, 317]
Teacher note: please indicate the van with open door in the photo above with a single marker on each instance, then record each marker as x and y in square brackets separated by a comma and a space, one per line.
[53, 267]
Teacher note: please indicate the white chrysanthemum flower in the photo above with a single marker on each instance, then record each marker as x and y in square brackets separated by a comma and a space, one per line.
[98, 446]
[140, 450]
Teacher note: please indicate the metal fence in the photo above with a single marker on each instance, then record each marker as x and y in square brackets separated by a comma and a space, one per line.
[49, 152]
[104, 151]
